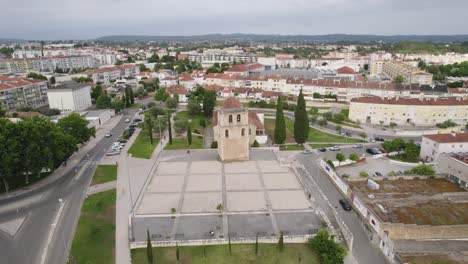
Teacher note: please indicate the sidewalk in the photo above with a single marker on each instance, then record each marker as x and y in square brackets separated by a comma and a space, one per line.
[132, 174]
[101, 187]
[74, 160]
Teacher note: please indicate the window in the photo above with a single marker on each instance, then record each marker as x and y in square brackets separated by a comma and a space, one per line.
[230, 118]
[243, 132]
[250, 131]
[226, 133]
[238, 118]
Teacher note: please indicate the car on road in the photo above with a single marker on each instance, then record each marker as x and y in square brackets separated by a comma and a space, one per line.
[136, 120]
[357, 145]
[113, 153]
[348, 134]
[322, 149]
[373, 151]
[334, 148]
[307, 151]
[108, 134]
[345, 204]
[372, 140]
[377, 174]
[122, 140]
[127, 120]
[379, 139]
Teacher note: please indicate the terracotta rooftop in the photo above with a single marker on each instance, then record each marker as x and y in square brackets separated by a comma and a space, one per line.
[345, 70]
[231, 102]
[9, 82]
[412, 101]
[448, 138]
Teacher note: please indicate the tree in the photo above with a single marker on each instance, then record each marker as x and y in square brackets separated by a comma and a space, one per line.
[161, 95]
[96, 91]
[132, 98]
[280, 125]
[301, 121]
[169, 127]
[256, 244]
[281, 242]
[229, 242]
[412, 151]
[340, 157]
[177, 252]
[193, 107]
[398, 79]
[422, 65]
[328, 116]
[338, 118]
[209, 101]
[180, 125]
[37, 76]
[322, 122]
[338, 128]
[103, 102]
[171, 103]
[189, 135]
[52, 80]
[329, 251]
[353, 156]
[76, 126]
[127, 97]
[119, 105]
[149, 124]
[149, 247]
[422, 170]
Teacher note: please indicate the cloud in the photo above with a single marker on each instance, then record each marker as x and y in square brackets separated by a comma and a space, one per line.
[65, 19]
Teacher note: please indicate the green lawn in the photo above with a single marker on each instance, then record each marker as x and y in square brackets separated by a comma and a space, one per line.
[195, 120]
[291, 148]
[270, 130]
[241, 253]
[94, 239]
[104, 173]
[142, 148]
[181, 143]
[319, 136]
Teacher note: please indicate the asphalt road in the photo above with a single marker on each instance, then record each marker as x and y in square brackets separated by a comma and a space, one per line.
[363, 250]
[27, 246]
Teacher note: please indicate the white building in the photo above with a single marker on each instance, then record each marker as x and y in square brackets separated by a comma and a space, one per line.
[455, 167]
[70, 96]
[434, 145]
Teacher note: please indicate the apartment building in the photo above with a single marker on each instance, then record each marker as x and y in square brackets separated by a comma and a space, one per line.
[70, 96]
[209, 58]
[110, 74]
[17, 92]
[408, 111]
[409, 73]
[455, 167]
[46, 64]
[432, 146]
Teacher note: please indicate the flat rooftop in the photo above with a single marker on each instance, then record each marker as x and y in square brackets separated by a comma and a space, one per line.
[422, 202]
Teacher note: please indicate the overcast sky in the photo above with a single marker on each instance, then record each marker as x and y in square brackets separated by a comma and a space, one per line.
[85, 19]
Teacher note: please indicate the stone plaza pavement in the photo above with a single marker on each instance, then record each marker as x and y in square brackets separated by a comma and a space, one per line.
[193, 196]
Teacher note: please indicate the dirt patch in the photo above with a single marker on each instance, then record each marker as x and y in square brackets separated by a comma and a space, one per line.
[431, 259]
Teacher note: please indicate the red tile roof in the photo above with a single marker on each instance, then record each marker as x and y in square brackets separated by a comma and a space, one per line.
[345, 70]
[9, 82]
[177, 89]
[231, 102]
[448, 138]
[411, 101]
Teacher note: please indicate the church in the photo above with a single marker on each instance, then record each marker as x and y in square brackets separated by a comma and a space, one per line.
[235, 129]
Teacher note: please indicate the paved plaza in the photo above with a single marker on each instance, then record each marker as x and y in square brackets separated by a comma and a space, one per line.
[194, 196]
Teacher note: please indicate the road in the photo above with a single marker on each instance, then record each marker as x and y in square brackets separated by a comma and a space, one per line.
[33, 236]
[327, 199]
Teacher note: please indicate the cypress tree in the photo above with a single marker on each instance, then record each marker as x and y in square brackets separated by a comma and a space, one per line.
[149, 247]
[177, 252]
[301, 121]
[229, 241]
[256, 244]
[127, 96]
[169, 127]
[189, 135]
[280, 126]
[132, 98]
[281, 242]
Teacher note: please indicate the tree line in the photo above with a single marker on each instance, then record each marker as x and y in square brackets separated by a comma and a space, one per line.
[35, 145]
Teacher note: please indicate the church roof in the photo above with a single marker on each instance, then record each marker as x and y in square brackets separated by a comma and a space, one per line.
[231, 102]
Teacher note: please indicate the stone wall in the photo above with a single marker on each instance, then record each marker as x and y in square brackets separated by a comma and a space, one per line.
[404, 231]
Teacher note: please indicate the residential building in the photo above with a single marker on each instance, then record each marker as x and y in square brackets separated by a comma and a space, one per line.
[70, 96]
[434, 145]
[455, 167]
[180, 91]
[17, 92]
[110, 74]
[409, 111]
[209, 58]
[46, 64]
[376, 67]
[409, 73]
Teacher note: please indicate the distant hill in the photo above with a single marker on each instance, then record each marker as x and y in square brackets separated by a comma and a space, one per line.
[293, 38]
[6, 40]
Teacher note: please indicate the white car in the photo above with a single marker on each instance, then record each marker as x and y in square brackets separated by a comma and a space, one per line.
[117, 147]
[113, 153]
[108, 134]
[307, 151]
[127, 120]
[357, 145]
[334, 148]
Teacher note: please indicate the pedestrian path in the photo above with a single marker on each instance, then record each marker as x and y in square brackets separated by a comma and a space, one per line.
[101, 187]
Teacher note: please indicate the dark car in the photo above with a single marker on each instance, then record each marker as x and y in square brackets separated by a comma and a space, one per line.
[348, 134]
[137, 120]
[379, 139]
[373, 151]
[322, 149]
[345, 204]
[122, 140]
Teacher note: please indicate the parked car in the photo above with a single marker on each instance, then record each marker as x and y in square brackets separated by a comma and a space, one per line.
[373, 151]
[334, 148]
[358, 145]
[307, 151]
[136, 120]
[108, 134]
[377, 174]
[400, 173]
[342, 133]
[372, 140]
[345, 204]
[113, 153]
[127, 120]
[322, 149]
[122, 140]
[348, 134]
[379, 139]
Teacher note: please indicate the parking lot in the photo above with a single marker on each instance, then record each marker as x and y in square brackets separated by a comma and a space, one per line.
[371, 165]
[194, 196]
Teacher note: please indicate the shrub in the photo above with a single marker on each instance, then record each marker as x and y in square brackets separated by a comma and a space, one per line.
[345, 176]
[327, 249]
[421, 170]
[446, 124]
[363, 174]
[255, 144]
[331, 163]
[214, 144]
[363, 135]
[392, 173]
[353, 156]
[322, 122]
[202, 122]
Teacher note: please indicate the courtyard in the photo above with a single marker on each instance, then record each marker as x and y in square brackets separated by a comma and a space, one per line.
[193, 196]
